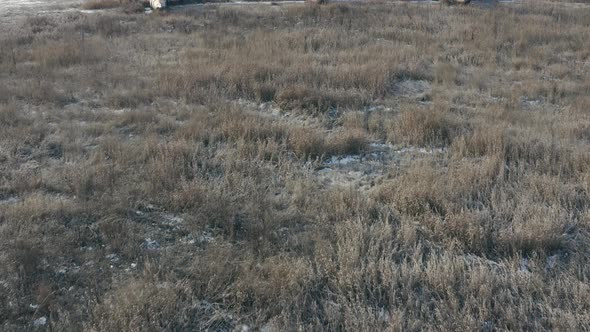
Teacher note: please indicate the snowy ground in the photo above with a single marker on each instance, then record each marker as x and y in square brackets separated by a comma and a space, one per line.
[15, 7]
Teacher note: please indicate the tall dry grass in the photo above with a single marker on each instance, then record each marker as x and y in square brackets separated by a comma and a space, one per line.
[161, 172]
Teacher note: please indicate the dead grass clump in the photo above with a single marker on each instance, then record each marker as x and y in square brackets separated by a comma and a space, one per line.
[105, 25]
[134, 7]
[146, 303]
[70, 53]
[423, 127]
[348, 142]
[41, 23]
[303, 98]
[445, 73]
[227, 123]
[129, 99]
[310, 144]
[120, 236]
[265, 93]
[11, 116]
[483, 141]
[534, 229]
[307, 143]
[416, 193]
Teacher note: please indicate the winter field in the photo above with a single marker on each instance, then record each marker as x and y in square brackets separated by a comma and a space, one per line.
[376, 166]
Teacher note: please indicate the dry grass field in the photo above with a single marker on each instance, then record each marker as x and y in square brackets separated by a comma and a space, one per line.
[347, 167]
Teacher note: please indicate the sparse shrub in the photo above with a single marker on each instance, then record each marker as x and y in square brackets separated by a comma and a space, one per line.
[140, 304]
[348, 142]
[70, 53]
[445, 73]
[416, 193]
[265, 93]
[108, 26]
[120, 235]
[307, 143]
[11, 116]
[423, 127]
[301, 97]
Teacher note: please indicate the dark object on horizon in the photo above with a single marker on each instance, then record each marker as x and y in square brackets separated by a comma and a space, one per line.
[455, 2]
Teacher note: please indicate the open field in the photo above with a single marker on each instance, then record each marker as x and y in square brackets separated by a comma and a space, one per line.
[354, 167]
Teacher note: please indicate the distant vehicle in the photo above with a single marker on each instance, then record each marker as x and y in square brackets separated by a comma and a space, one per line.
[158, 4]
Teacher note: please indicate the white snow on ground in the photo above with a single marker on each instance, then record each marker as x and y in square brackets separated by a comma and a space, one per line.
[412, 149]
[113, 258]
[345, 160]
[524, 266]
[363, 170]
[172, 220]
[41, 321]
[9, 200]
[10, 8]
[151, 244]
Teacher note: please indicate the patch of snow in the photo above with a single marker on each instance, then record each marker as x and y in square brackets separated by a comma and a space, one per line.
[173, 219]
[151, 244]
[551, 262]
[420, 150]
[34, 306]
[381, 146]
[524, 266]
[9, 200]
[345, 160]
[206, 237]
[41, 321]
[532, 101]
[113, 258]
[91, 11]
[377, 108]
